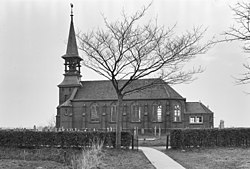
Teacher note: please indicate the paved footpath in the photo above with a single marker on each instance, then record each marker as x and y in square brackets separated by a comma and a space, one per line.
[159, 159]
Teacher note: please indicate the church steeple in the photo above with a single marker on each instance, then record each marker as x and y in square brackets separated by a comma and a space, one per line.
[72, 45]
[72, 59]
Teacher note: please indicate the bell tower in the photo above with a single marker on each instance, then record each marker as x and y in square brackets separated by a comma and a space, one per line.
[72, 80]
[72, 60]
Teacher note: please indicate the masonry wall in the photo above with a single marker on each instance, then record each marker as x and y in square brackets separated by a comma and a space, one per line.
[64, 94]
[207, 121]
[78, 116]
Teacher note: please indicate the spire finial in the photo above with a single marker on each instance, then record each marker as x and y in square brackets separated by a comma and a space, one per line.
[71, 5]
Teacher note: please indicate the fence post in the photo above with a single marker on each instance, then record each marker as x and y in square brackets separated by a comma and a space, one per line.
[132, 141]
[137, 142]
[167, 142]
[155, 130]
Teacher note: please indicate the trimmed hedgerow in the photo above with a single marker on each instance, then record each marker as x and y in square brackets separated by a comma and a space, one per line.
[65, 139]
[229, 137]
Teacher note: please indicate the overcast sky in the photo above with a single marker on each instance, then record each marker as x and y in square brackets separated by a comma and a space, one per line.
[33, 36]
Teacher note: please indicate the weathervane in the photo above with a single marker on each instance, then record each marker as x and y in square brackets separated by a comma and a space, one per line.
[71, 5]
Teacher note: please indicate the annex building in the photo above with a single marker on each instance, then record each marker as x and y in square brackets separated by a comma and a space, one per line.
[92, 104]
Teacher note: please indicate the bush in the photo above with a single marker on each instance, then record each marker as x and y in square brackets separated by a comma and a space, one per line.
[89, 158]
[65, 139]
[229, 137]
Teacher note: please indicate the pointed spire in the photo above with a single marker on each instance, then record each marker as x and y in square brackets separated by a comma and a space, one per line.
[72, 50]
[71, 5]
[72, 75]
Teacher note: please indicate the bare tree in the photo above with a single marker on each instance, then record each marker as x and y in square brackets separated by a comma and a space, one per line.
[241, 32]
[128, 51]
[52, 122]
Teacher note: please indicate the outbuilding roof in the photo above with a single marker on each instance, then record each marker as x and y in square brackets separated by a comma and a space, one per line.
[196, 108]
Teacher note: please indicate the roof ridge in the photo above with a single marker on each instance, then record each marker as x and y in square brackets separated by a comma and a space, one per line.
[118, 80]
[68, 101]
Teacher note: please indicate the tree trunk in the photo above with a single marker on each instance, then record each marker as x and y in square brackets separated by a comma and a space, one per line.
[119, 121]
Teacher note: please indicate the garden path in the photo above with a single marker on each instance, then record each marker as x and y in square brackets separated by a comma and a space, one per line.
[159, 159]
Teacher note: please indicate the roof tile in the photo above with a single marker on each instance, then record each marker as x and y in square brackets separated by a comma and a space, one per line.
[104, 90]
[196, 107]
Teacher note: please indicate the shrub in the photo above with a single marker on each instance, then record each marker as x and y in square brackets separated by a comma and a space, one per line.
[65, 139]
[89, 158]
[229, 137]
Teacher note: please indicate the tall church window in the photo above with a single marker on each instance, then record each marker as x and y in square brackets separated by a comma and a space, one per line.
[145, 109]
[94, 113]
[104, 110]
[157, 113]
[177, 113]
[124, 110]
[135, 113]
[113, 113]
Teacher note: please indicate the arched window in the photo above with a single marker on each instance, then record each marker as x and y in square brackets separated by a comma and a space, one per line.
[113, 113]
[66, 112]
[177, 113]
[94, 113]
[157, 113]
[104, 110]
[124, 110]
[135, 113]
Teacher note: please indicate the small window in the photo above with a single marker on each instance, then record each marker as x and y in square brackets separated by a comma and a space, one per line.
[196, 119]
[94, 114]
[177, 113]
[113, 113]
[65, 97]
[157, 113]
[192, 119]
[135, 113]
[66, 112]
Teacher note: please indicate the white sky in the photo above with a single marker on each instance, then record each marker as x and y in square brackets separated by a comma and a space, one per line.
[33, 36]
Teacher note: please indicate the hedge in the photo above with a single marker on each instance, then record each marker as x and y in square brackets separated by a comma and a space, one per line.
[65, 139]
[229, 137]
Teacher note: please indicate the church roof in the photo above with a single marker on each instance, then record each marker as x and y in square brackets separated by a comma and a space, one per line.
[104, 90]
[197, 108]
[67, 103]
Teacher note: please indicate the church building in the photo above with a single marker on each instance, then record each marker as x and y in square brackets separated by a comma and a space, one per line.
[93, 104]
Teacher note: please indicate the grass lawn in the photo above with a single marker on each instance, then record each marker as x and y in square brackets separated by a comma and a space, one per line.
[47, 158]
[126, 159]
[150, 141]
[216, 158]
